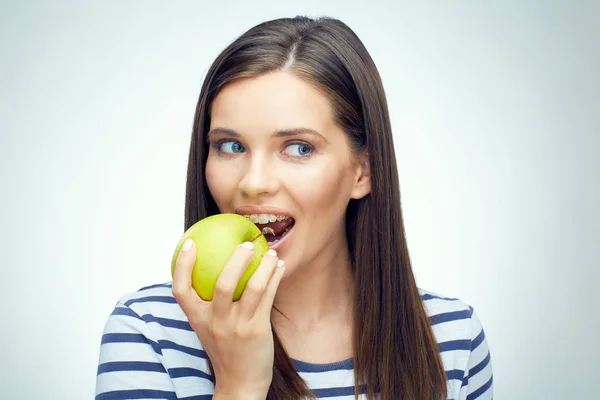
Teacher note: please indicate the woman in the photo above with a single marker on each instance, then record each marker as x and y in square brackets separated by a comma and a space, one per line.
[292, 123]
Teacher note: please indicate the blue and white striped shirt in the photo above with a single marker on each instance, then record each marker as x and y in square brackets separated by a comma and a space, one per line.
[149, 351]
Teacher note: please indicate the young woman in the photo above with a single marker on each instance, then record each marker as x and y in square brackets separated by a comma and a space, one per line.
[292, 127]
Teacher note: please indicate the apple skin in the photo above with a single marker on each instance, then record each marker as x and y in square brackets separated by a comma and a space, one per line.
[216, 238]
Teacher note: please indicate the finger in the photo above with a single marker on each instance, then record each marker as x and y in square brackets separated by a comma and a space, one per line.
[263, 310]
[182, 289]
[230, 276]
[257, 284]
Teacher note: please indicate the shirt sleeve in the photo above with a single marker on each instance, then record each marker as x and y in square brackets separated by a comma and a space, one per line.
[478, 378]
[130, 365]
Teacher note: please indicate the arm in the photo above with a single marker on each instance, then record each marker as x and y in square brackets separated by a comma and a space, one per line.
[478, 378]
[130, 361]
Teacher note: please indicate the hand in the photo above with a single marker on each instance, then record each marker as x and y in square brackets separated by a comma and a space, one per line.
[236, 336]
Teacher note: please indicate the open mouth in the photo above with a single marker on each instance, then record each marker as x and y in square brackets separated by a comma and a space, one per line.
[273, 227]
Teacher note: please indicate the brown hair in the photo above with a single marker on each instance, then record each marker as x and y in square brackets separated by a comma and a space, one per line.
[395, 351]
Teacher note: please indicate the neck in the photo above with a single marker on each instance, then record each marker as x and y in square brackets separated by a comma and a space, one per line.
[318, 291]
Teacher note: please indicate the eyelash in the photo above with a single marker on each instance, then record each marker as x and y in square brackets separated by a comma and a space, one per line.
[217, 146]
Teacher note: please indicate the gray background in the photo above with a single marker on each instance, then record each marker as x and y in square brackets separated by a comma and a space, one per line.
[495, 109]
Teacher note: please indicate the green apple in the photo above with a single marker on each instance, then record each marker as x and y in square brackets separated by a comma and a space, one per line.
[216, 238]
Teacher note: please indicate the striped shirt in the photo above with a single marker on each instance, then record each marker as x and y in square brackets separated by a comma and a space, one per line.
[149, 351]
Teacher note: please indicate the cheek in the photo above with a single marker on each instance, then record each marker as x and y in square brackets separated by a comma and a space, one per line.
[220, 178]
[322, 188]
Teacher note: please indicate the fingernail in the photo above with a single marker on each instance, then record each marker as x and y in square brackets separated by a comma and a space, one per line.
[272, 252]
[248, 245]
[187, 245]
[280, 263]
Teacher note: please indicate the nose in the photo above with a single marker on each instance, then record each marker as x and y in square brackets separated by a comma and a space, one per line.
[259, 179]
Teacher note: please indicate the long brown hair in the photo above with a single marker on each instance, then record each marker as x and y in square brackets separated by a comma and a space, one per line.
[395, 351]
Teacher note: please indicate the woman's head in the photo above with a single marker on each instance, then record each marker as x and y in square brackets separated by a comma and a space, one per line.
[251, 145]
[276, 148]
[283, 75]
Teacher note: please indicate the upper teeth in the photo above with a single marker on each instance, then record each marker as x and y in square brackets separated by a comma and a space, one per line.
[265, 218]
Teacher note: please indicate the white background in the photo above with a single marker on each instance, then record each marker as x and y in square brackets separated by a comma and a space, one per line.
[496, 115]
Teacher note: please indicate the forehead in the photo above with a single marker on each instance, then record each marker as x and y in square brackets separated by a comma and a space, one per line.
[271, 102]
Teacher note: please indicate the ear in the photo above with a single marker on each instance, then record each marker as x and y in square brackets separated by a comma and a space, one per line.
[362, 184]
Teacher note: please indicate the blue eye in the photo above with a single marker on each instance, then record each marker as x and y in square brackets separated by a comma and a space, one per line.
[230, 146]
[300, 149]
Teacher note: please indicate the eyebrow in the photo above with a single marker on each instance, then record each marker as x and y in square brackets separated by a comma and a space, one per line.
[280, 133]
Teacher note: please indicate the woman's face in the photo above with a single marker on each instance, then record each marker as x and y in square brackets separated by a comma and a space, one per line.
[275, 149]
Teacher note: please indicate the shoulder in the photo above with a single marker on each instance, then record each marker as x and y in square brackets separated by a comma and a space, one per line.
[155, 305]
[462, 342]
[441, 309]
[145, 299]
[154, 312]
[453, 321]
[454, 324]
